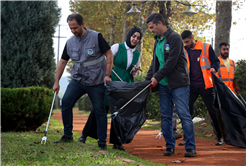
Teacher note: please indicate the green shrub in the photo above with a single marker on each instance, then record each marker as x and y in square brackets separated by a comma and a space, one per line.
[85, 103]
[25, 109]
[200, 109]
[240, 77]
[153, 106]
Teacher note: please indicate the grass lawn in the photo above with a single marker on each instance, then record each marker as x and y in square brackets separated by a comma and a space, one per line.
[24, 148]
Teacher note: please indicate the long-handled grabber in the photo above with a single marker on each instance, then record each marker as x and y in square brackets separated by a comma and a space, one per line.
[116, 113]
[44, 137]
[242, 98]
[117, 75]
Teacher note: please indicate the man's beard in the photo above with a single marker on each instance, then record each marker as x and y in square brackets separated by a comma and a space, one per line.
[224, 55]
[192, 45]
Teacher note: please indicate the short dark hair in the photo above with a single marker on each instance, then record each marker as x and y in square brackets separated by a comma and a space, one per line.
[223, 44]
[76, 17]
[155, 18]
[186, 34]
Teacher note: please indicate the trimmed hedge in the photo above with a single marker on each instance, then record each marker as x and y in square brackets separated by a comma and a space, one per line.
[25, 109]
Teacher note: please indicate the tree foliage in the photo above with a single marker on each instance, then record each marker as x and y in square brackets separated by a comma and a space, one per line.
[100, 15]
[27, 28]
[240, 77]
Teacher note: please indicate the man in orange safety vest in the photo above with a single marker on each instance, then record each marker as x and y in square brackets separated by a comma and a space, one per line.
[201, 60]
[227, 68]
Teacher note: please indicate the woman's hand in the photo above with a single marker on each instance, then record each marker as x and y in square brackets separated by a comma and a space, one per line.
[135, 68]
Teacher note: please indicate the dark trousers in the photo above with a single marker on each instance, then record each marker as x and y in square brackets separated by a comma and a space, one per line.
[208, 98]
[90, 128]
[96, 94]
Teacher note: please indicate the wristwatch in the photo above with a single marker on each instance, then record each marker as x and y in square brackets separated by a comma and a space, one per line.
[108, 75]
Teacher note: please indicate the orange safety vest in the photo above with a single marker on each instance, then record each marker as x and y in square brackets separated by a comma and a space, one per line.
[188, 61]
[204, 63]
[224, 75]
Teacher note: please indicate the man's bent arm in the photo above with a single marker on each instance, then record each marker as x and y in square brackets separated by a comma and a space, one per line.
[109, 64]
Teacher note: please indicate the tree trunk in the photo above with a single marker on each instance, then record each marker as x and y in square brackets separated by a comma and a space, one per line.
[223, 23]
[126, 23]
[143, 26]
[165, 10]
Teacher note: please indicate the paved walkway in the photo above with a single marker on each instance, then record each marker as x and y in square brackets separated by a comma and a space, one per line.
[145, 146]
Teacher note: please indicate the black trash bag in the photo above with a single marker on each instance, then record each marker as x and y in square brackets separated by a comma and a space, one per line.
[231, 114]
[127, 121]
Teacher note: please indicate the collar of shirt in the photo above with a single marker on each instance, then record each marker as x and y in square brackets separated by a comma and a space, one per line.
[128, 48]
[160, 39]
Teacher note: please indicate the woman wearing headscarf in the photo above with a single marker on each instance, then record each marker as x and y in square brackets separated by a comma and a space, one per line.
[126, 64]
[127, 57]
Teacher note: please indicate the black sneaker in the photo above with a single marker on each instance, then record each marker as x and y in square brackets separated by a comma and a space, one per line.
[219, 142]
[82, 138]
[190, 153]
[102, 146]
[64, 139]
[182, 143]
[169, 152]
[177, 135]
[119, 147]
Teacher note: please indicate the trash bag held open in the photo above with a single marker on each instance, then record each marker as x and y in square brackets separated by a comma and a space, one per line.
[127, 103]
[231, 114]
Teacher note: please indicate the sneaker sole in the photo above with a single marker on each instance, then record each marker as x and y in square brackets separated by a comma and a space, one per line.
[168, 154]
[189, 155]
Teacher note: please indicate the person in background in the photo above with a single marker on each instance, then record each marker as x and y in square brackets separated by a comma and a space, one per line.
[90, 73]
[174, 123]
[227, 68]
[169, 75]
[126, 64]
[202, 60]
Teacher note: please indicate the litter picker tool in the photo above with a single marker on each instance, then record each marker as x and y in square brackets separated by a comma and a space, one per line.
[158, 135]
[115, 114]
[242, 98]
[117, 75]
[44, 137]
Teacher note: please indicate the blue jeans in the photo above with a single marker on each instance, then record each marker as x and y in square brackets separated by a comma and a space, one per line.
[180, 97]
[96, 94]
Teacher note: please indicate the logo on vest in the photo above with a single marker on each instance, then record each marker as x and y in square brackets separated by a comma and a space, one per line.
[90, 51]
[167, 47]
[232, 71]
[203, 59]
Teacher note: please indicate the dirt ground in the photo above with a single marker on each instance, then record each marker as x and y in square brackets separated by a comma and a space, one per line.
[145, 146]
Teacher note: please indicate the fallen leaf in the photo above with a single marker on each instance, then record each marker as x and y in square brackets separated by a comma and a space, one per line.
[204, 124]
[209, 135]
[37, 142]
[178, 161]
[37, 131]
